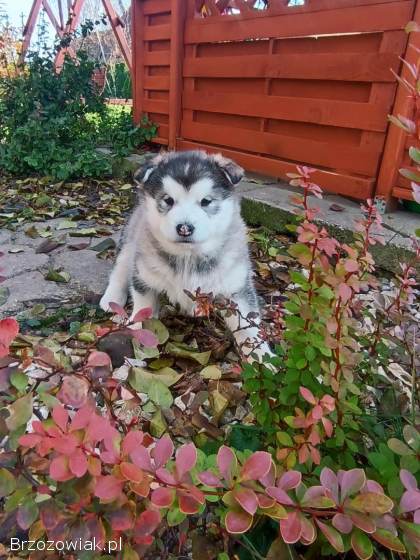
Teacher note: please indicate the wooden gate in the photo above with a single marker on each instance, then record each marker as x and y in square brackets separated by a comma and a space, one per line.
[275, 85]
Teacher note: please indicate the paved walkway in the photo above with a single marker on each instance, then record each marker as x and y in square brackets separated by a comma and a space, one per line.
[26, 270]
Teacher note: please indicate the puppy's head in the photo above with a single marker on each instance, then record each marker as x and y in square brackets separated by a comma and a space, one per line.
[189, 195]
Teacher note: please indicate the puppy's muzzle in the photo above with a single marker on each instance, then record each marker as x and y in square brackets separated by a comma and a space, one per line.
[185, 230]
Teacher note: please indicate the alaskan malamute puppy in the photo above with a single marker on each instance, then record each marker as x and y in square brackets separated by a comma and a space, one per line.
[186, 233]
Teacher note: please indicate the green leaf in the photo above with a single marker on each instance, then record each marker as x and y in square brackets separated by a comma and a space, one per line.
[284, 439]
[386, 538]
[141, 379]
[20, 412]
[55, 276]
[157, 328]
[398, 447]
[184, 351]
[414, 153]
[175, 517]
[7, 483]
[211, 372]
[19, 380]
[361, 544]
[158, 425]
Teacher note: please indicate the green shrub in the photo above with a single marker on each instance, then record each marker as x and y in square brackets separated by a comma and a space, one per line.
[46, 123]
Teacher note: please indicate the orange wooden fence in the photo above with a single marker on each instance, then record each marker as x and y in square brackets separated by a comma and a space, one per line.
[278, 85]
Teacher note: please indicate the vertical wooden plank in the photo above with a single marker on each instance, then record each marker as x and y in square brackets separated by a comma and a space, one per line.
[137, 48]
[178, 13]
[395, 141]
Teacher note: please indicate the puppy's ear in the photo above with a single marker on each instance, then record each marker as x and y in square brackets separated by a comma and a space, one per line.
[143, 173]
[231, 169]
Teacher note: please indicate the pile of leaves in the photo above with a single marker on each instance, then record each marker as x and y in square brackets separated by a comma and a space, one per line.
[106, 202]
[162, 440]
[52, 122]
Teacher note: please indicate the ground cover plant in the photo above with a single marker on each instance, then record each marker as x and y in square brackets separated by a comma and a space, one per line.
[51, 122]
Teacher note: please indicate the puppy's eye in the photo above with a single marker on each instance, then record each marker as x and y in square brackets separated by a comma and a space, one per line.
[169, 201]
[206, 201]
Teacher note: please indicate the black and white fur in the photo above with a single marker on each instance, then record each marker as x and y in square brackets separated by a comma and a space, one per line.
[186, 233]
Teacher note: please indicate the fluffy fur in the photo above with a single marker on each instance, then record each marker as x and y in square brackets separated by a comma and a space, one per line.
[186, 233]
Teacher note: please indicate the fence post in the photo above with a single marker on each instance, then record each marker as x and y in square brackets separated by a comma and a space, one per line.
[137, 50]
[396, 138]
[178, 13]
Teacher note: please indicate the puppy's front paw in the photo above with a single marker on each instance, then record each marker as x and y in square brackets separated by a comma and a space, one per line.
[112, 297]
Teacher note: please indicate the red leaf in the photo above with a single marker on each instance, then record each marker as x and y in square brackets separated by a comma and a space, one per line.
[410, 501]
[118, 310]
[163, 451]
[98, 359]
[29, 440]
[131, 472]
[344, 292]
[227, 463]
[362, 521]
[280, 495]
[342, 523]
[108, 488]
[247, 499]
[329, 481]
[187, 503]
[9, 329]
[209, 479]
[78, 463]
[141, 458]
[352, 482]
[59, 469]
[74, 391]
[291, 528]
[122, 519]
[290, 480]
[307, 395]
[163, 497]
[60, 417]
[351, 265]
[166, 477]
[332, 536]
[147, 522]
[132, 441]
[142, 315]
[257, 466]
[408, 480]
[145, 337]
[82, 418]
[186, 458]
[238, 522]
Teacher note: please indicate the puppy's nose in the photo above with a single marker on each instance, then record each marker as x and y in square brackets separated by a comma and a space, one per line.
[185, 230]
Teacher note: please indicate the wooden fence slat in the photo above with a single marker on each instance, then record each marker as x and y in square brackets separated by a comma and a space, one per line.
[344, 67]
[157, 32]
[152, 7]
[346, 114]
[157, 58]
[156, 83]
[176, 59]
[360, 19]
[156, 106]
[338, 182]
[296, 149]
[137, 26]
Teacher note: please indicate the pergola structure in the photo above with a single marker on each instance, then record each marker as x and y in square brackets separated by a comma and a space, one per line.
[67, 22]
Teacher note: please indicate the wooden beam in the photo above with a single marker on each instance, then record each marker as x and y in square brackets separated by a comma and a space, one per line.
[117, 27]
[396, 138]
[178, 13]
[52, 17]
[137, 34]
[74, 17]
[29, 28]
